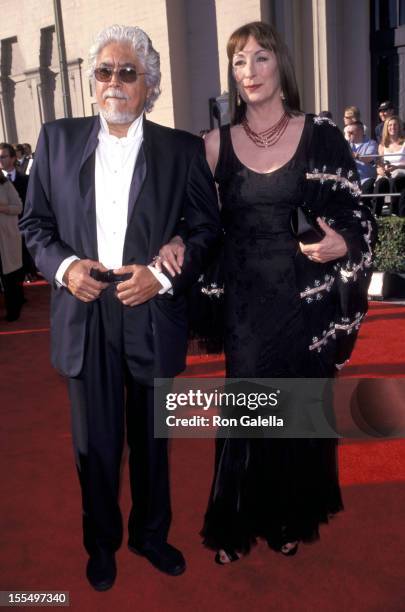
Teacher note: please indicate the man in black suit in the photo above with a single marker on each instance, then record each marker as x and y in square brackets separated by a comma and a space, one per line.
[22, 160]
[385, 111]
[106, 193]
[8, 166]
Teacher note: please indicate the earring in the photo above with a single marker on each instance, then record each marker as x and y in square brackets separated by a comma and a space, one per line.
[282, 96]
[238, 102]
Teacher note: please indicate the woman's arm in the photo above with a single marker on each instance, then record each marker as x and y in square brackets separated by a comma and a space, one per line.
[171, 255]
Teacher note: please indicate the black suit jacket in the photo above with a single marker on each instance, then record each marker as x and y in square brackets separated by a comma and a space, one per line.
[21, 185]
[22, 167]
[171, 181]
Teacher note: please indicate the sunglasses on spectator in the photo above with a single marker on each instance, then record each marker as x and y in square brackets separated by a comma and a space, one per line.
[126, 74]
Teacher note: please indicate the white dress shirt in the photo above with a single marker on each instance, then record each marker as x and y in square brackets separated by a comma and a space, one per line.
[11, 174]
[115, 162]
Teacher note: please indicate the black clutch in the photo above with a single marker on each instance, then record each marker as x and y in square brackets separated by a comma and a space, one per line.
[304, 225]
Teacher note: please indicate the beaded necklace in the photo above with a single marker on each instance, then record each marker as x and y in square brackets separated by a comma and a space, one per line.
[268, 137]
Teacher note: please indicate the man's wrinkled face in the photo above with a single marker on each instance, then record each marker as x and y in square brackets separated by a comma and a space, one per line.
[120, 102]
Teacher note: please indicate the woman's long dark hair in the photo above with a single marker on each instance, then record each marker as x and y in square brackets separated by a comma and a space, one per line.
[3, 179]
[268, 38]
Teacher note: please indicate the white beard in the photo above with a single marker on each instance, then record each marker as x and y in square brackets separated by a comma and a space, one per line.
[111, 114]
[115, 116]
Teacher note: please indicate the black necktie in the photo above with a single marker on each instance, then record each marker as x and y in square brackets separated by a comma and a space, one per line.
[9, 176]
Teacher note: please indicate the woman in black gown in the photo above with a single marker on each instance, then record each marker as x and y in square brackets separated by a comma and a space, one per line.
[291, 310]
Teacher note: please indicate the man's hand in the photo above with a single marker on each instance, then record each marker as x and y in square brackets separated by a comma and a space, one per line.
[142, 287]
[171, 256]
[331, 247]
[79, 282]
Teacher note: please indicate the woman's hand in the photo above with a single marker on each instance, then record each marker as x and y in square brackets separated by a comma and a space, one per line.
[390, 168]
[171, 256]
[332, 246]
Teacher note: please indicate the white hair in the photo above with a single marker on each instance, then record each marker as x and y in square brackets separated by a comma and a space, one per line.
[142, 47]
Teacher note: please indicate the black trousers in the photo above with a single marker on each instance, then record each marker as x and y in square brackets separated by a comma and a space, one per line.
[105, 397]
[368, 187]
[28, 262]
[386, 185]
[13, 292]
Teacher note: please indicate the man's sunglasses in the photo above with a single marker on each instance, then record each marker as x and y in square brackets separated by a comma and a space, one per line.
[127, 74]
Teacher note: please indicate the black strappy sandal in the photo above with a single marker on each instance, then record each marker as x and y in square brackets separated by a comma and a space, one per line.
[231, 554]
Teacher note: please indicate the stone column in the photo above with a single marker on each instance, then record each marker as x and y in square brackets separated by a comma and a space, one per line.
[7, 87]
[33, 82]
[76, 87]
[179, 63]
[2, 118]
[400, 44]
[320, 55]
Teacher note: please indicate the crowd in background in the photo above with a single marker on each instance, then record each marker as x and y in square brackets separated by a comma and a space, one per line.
[380, 163]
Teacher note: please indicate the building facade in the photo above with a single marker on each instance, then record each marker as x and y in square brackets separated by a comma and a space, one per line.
[338, 46]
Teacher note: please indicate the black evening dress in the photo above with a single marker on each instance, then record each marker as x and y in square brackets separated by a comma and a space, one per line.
[276, 489]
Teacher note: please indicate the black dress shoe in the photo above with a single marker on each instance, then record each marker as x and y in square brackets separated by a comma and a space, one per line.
[163, 556]
[101, 570]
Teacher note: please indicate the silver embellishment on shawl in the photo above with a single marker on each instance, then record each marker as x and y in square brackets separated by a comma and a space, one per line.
[341, 181]
[320, 120]
[345, 325]
[212, 290]
[326, 286]
[351, 271]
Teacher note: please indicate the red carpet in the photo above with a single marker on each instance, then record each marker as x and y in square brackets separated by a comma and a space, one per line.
[359, 563]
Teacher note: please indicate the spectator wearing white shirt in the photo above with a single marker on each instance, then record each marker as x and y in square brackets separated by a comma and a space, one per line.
[391, 166]
[364, 151]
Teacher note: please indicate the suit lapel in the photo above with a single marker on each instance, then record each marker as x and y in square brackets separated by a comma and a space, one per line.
[138, 178]
[87, 186]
